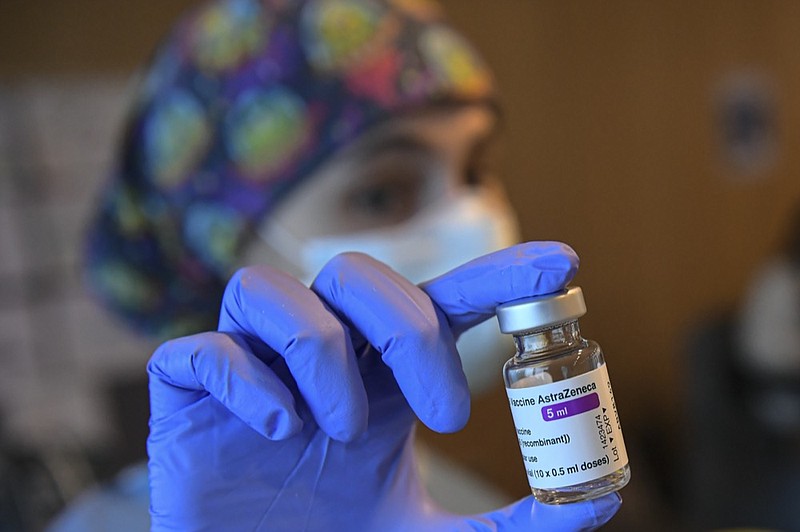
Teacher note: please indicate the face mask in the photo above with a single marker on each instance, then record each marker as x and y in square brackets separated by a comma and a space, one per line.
[460, 227]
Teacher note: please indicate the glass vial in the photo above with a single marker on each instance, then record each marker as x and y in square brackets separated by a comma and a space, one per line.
[561, 401]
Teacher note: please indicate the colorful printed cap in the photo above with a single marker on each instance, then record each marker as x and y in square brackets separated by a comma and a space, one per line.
[243, 101]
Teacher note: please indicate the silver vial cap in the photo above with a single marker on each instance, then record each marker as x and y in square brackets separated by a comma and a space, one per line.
[541, 311]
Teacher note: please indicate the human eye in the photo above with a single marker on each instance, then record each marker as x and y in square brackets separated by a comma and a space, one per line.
[475, 174]
[389, 197]
[479, 165]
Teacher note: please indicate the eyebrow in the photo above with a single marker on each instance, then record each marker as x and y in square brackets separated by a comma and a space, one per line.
[405, 142]
[374, 146]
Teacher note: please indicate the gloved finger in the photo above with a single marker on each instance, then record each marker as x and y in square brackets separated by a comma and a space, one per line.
[185, 371]
[528, 514]
[403, 324]
[470, 293]
[272, 307]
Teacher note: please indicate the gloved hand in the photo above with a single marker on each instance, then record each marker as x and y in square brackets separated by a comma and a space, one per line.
[298, 413]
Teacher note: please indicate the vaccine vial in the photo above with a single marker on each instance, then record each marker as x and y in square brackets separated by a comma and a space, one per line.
[561, 401]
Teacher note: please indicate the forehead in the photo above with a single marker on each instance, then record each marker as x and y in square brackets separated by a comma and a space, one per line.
[449, 130]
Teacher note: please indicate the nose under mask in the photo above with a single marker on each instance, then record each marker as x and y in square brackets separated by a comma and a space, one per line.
[456, 229]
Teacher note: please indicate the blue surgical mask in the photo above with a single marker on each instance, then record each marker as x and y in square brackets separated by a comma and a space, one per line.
[459, 227]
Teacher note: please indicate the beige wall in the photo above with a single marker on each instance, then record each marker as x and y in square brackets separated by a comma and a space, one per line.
[73, 37]
[610, 145]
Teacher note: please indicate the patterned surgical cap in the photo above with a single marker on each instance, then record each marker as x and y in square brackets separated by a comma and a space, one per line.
[244, 100]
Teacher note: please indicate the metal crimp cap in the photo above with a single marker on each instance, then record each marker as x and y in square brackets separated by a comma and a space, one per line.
[543, 311]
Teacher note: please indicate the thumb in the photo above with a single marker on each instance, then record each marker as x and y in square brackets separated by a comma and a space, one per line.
[470, 293]
[529, 514]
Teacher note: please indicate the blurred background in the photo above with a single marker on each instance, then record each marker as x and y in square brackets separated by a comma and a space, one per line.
[655, 137]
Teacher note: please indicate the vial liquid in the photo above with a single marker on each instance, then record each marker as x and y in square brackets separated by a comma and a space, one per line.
[561, 401]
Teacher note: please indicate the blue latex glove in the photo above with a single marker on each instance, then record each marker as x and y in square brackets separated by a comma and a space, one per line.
[298, 413]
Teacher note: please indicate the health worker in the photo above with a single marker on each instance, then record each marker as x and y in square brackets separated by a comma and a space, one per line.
[299, 197]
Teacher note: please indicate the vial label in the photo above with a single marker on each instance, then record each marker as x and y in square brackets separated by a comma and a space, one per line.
[568, 431]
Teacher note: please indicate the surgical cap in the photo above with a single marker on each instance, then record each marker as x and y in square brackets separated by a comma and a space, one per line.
[243, 100]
